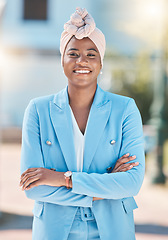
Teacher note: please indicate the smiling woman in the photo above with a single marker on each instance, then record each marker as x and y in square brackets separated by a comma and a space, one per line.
[81, 63]
[82, 155]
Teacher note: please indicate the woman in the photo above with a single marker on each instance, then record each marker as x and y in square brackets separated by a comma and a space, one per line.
[78, 151]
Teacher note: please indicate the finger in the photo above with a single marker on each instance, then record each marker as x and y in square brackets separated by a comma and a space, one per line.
[125, 155]
[34, 184]
[121, 167]
[127, 159]
[26, 176]
[28, 171]
[124, 160]
[126, 167]
[30, 181]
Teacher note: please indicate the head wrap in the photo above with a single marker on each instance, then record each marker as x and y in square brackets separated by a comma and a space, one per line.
[81, 25]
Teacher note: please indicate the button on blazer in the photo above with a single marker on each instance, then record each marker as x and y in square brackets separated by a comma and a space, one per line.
[114, 128]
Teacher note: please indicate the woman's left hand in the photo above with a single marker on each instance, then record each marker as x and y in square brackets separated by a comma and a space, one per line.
[34, 177]
[125, 163]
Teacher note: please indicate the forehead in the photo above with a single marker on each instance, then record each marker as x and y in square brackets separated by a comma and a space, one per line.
[81, 44]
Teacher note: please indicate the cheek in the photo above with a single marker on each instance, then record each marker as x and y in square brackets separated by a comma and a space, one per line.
[65, 59]
[97, 66]
[67, 62]
[66, 65]
[97, 63]
[66, 70]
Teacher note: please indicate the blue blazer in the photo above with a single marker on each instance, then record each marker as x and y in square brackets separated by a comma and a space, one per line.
[47, 141]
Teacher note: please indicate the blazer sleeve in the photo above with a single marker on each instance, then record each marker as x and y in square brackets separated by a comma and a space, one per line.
[31, 156]
[121, 184]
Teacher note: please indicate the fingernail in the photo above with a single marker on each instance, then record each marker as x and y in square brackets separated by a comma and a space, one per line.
[134, 156]
[130, 166]
[127, 154]
[137, 163]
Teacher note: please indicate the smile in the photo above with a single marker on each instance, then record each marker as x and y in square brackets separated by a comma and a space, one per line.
[82, 71]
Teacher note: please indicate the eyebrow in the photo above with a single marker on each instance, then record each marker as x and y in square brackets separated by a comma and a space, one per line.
[75, 49]
[93, 49]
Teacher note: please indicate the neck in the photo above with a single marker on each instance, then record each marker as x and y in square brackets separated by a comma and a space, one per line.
[81, 97]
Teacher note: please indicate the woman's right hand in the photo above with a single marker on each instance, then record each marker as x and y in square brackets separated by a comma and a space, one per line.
[123, 164]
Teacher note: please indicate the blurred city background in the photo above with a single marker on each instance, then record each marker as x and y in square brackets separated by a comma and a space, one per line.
[135, 65]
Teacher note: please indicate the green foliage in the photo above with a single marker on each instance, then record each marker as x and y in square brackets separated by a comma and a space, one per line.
[133, 78]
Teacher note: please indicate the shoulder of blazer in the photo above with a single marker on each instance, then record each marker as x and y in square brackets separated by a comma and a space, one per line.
[44, 101]
[116, 98]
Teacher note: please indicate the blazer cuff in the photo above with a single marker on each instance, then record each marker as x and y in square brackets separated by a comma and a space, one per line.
[76, 188]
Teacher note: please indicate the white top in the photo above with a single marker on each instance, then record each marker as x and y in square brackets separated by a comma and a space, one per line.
[79, 142]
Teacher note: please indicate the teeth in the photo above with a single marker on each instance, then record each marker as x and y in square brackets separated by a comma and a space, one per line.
[82, 71]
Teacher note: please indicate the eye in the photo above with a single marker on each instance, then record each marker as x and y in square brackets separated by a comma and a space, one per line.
[73, 54]
[91, 55]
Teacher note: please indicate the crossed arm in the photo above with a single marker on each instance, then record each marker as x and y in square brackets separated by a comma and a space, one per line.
[34, 177]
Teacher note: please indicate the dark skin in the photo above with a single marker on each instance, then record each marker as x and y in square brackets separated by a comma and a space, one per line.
[81, 86]
[82, 65]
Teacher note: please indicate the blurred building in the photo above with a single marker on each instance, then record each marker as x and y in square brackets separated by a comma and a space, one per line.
[29, 55]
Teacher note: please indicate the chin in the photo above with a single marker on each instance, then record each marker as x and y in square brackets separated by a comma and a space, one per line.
[83, 83]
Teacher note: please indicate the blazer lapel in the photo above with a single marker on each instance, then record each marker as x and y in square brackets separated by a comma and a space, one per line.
[98, 117]
[61, 119]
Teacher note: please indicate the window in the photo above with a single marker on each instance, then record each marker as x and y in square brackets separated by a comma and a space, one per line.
[35, 9]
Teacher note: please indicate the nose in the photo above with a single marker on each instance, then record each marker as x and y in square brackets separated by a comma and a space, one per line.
[82, 60]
